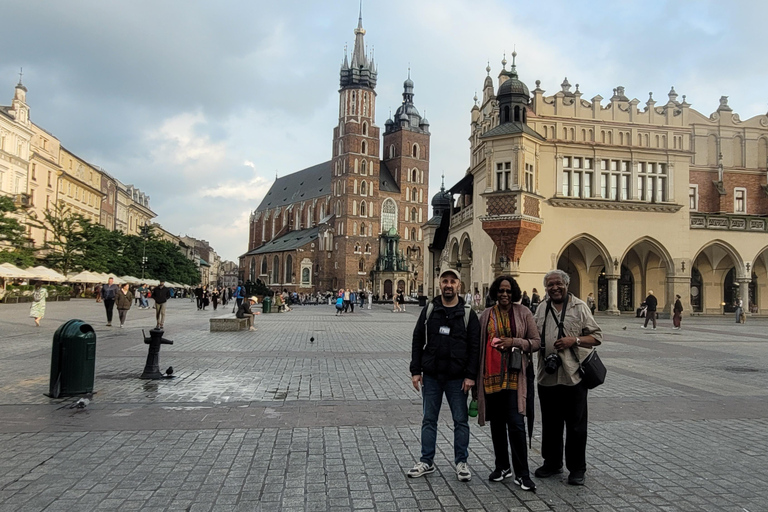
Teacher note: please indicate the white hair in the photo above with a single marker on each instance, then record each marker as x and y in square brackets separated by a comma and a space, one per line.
[560, 273]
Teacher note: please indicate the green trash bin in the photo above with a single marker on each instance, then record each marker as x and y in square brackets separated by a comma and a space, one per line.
[73, 359]
[266, 305]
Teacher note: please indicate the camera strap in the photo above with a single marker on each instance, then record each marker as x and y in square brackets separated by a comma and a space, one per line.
[559, 322]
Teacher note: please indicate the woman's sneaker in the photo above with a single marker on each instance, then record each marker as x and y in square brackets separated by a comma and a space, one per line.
[499, 474]
[462, 472]
[421, 469]
[525, 483]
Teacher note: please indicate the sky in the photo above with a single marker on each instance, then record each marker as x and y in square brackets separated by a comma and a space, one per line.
[201, 104]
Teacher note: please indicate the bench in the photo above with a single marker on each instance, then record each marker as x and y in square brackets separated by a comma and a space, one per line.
[228, 323]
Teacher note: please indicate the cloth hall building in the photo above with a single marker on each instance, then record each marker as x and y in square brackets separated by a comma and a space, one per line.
[354, 221]
[626, 196]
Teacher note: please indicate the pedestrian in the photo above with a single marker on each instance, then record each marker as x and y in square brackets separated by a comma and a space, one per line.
[160, 294]
[468, 298]
[508, 336]
[215, 298]
[525, 300]
[395, 301]
[738, 305]
[401, 300]
[444, 361]
[677, 311]
[37, 310]
[346, 300]
[650, 313]
[535, 300]
[591, 303]
[239, 294]
[199, 297]
[124, 301]
[108, 295]
[244, 311]
[477, 298]
[339, 305]
[352, 300]
[567, 329]
[206, 299]
[369, 296]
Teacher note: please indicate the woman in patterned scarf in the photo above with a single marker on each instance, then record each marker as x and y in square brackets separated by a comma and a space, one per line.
[501, 386]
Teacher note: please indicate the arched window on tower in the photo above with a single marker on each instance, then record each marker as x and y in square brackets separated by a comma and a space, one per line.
[365, 128]
[361, 265]
[364, 147]
[391, 151]
[415, 175]
[363, 210]
[517, 114]
[505, 115]
[414, 195]
[388, 215]
[276, 270]
[415, 151]
[289, 269]
[414, 215]
[363, 168]
[363, 188]
[264, 266]
[413, 233]
[363, 230]
[368, 248]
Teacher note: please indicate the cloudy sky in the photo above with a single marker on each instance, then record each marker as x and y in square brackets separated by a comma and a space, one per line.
[200, 103]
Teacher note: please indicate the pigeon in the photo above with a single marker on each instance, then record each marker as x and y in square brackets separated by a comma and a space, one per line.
[80, 404]
[624, 328]
[169, 371]
[312, 339]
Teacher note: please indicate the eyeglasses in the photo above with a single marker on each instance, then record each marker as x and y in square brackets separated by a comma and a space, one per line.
[507, 292]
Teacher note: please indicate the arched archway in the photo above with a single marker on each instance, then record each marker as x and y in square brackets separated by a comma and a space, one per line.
[388, 288]
[464, 264]
[758, 302]
[713, 263]
[584, 259]
[649, 264]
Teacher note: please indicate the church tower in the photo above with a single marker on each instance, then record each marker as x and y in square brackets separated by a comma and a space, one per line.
[355, 166]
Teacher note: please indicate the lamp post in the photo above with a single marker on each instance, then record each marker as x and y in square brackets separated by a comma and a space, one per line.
[144, 235]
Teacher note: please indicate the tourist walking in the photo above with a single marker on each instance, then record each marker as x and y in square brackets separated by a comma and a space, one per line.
[124, 301]
[108, 295]
[591, 303]
[677, 313]
[352, 300]
[567, 329]
[739, 309]
[401, 300]
[650, 313]
[239, 294]
[508, 336]
[535, 300]
[39, 296]
[215, 298]
[444, 361]
[161, 295]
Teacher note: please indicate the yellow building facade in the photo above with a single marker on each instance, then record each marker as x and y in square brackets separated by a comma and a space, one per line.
[15, 136]
[79, 186]
[623, 195]
[44, 174]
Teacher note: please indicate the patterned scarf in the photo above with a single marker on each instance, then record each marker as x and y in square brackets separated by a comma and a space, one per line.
[497, 375]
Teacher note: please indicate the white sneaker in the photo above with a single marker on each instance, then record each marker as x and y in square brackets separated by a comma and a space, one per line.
[642, 327]
[421, 469]
[462, 472]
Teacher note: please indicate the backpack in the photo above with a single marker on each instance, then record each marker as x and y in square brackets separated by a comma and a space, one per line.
[431, 307]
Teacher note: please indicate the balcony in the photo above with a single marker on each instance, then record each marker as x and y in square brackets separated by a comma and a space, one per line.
[464, 216]
[728, 222]
[22, 200]
[512, 219]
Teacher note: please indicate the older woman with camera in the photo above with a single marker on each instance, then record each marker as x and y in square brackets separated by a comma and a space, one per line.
[508, 336]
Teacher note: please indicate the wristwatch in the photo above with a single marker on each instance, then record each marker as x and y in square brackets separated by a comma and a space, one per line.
[578, 341]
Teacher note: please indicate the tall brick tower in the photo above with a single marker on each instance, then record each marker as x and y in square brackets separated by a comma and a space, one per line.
[355, 167]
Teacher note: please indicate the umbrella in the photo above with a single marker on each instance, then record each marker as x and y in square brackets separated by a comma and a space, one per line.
[10, 271]
[85, 277]
[131, 280]
[46, 274]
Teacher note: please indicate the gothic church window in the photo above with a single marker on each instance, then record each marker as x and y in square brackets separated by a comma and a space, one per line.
[415, 175]
[363, 188]
[365, 128]
[364, 148]
[364, 168]
[289, 269]
[264, 266]
[388, 215]
[362, 229]
[392, 151]
[415, 151]
[414, 195]
[414, 215]
[363, 211]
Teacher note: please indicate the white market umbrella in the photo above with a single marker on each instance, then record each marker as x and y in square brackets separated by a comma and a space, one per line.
[10, 271]
[85, 277]
[47, 274]
[131, 280]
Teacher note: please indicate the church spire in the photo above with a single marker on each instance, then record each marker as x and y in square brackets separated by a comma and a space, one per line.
[361, 70]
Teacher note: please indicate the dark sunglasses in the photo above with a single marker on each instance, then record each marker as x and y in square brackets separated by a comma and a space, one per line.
[507, 292]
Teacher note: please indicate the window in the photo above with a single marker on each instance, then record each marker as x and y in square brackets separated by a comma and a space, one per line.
[614, 179]
[503, 175]
[264, 266]
[415, 176]
[34, 177]
[363, 168]
[388, 215]
[368, 248]
[364, 147]
[363, 209]
[413, 233]
[415, 151]
[414, 215]
[577, 177]
[414, 195]
[362, 229]
[740, 200]
[289, 269]
[529, 182]
[651, 182]
[361, 265]
[693, 198]
[363, 188]
[365, 128]
[276, 270]
[49, 179]
[305, 276]
[391, 151]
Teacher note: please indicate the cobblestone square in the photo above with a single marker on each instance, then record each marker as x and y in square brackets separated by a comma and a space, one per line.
[270, 420]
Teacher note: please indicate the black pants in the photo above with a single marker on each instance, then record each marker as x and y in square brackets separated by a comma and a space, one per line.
[109, 305]
[564, 406]
[650, 315]
[501, 410]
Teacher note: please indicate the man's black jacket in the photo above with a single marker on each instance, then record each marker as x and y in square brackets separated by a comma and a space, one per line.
[651, 302]
[446, 356]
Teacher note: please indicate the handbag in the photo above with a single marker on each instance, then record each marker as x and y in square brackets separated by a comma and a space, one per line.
[592, 369]
[515, 361]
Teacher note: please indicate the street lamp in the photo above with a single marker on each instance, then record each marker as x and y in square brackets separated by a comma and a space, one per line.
[144, 235]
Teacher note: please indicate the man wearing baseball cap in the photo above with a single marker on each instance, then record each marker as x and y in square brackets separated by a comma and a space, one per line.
[444, 361]
[244, 311]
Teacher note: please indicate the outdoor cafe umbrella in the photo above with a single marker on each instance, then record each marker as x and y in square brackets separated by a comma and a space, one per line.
[46, 274]
[84, 277]
[9, 271]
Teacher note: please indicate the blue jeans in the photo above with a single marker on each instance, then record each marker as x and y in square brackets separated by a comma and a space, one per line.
[432, 392]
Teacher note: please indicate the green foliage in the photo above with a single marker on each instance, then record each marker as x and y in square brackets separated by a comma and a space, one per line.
[66, 240]
[14, 245]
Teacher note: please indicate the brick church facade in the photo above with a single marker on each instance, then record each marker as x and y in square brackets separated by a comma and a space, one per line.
[353, 221]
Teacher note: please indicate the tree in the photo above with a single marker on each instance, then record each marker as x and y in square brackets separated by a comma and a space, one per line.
[66, 243]
[14, 244]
